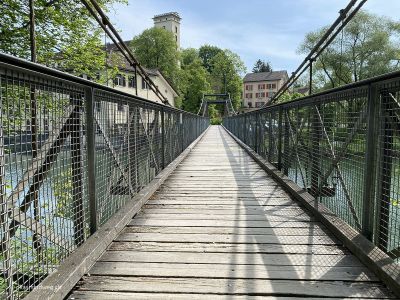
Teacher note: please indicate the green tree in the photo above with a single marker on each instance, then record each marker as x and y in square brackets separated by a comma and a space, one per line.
[206, 54]
[193, 80]
[227, 72]
[287, 96]
[262, 66]
[368, 46]
[189, 56]
[156, 48]
[64, 28]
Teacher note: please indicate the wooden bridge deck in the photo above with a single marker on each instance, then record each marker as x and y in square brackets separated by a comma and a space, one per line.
[221, 228]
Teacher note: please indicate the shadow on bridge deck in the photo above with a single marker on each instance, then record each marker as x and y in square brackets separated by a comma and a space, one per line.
[221, 228]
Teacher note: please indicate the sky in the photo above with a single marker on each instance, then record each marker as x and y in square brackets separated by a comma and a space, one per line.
[271, 30]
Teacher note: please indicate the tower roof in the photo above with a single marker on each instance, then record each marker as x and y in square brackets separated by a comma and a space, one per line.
[173, 13]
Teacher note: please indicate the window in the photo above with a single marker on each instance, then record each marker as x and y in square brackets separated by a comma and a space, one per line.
[119, 80]
[176, 38]
[250, 104]
[163, 27]
[270, 94]
[261, 86]
[271, 86]
[260, 95]
[176, 29]
[132, 81]
[144, 84]
[249, 95]
[249, 87]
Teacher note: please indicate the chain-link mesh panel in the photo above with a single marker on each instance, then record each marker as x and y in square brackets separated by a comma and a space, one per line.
[388, 177]
[343, 147]
[45, 178]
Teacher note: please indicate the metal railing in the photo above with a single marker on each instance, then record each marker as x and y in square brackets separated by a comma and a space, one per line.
[72, 153]
[343, 147]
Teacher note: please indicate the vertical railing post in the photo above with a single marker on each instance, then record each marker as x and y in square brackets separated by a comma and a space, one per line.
[256, 133]
[181, 133]
[91, 158]
[162, 139]
[77, 172]
[370, 162]
[7, 264]
[271, 139]
[315, 151]
[286, 145]
[280, 138]
[136, 167]
[245, 130]
[132, 159]
[385, 178]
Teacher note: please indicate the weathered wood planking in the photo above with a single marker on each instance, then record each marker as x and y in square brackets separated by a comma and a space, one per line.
[230, 286]
[221, 228]
[85, 295]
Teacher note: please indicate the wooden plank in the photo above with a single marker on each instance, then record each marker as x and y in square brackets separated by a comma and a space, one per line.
[228, 286]
[259, 217]
[222, 202]
[227, 248]
[213, 223]
[216, 207]
[106, 295]
[314, 230]
[233, 259]
[238, 194]
[176, 270]
[228, 238]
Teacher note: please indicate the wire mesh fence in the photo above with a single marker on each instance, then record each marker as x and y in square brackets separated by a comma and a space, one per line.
[343, 147]
[72, 153]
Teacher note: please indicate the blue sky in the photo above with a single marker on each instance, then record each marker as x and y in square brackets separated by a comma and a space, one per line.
[268, 29]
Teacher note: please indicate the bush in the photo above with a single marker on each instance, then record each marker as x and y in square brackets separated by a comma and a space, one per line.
[216, 121]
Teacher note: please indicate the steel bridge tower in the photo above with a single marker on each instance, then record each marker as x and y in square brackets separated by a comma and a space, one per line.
[224, 99]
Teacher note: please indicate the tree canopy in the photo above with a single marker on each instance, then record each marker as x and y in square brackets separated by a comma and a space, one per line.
[262, 66]
[206, 54]
[227, 69]
[367, 47]
[156, 48]
[193, 81]
[62, 27]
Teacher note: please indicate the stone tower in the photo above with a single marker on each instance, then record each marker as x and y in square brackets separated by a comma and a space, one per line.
[172, 22]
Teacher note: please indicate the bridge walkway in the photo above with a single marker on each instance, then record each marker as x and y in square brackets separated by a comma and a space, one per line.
[221, 228]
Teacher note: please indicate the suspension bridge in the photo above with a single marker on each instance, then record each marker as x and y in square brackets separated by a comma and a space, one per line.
[106, 195]
[161, 205]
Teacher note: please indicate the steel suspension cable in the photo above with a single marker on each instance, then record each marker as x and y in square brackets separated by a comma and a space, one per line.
[102, 19]
[346, 15]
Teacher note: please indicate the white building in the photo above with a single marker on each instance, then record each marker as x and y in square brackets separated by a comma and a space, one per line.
[125, 81]
[172, 22]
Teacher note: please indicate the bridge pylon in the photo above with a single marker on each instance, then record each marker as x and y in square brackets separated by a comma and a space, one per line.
[224, 99]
